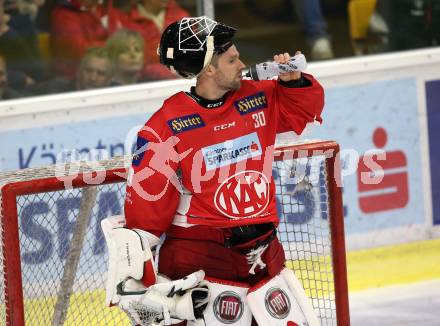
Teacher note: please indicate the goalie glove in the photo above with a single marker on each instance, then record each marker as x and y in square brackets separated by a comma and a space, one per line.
[165, 303]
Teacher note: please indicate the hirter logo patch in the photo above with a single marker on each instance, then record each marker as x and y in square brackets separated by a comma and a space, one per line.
[251, 103]
[185, 123]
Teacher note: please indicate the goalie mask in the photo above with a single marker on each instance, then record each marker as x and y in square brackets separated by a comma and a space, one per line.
[187, 46]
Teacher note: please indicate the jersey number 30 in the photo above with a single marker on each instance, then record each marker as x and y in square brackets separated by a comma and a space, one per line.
[259, 119]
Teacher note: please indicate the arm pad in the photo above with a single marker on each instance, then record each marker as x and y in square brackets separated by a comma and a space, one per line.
[130, 256]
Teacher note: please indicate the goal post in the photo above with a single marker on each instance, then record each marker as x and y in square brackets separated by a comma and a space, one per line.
[53, 261]
[322, 156]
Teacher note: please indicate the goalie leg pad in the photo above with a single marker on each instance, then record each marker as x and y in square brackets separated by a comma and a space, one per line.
[227, 304]
[129, 254]
[281, 301]
[300, 295]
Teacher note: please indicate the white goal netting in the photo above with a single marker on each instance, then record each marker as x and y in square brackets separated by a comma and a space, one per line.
[62, 257]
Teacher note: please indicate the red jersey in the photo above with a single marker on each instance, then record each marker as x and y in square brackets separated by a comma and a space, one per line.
[74, 29]
[213, 166]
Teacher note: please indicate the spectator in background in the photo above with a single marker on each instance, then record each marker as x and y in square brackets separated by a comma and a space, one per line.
[369, 32]
[413, 23]
[95, 71]
[315, 27]
[18, 37]
[76, 25]
[150, 18]
[6, 92]
[126, 49]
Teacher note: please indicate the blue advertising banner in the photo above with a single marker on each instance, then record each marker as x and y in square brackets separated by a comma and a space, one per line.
[366, 119]
[433, 112]
[97, 139]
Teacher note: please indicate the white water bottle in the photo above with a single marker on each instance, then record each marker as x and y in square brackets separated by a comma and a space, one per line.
[270, 69]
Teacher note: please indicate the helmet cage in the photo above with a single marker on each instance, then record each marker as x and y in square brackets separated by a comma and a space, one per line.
[194, 33]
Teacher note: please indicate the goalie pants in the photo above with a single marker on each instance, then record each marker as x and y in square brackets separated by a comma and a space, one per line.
[187, 251]
[180, 256]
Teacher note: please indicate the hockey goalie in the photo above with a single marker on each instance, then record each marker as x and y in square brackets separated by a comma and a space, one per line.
[201, 187]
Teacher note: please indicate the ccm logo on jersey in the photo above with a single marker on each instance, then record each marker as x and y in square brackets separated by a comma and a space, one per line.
[277, 303]
[186, 123]
[251, 103]
[231, 151]
[243, 195]
[228, 307]
[225, 126]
